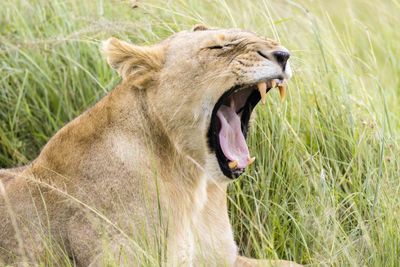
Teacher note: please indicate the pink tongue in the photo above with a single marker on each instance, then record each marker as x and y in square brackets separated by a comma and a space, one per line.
[231, 137]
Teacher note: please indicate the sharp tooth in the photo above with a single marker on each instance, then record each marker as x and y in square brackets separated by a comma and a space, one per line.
[262, 88]
[282, 91]
[251, 160]
[233, 164]
[273, 84]
[232, 104]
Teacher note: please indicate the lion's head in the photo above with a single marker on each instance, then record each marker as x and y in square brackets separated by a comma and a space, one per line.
[206, 83]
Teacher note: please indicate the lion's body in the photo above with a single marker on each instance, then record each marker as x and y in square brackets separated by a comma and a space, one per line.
[121, 176]
[96, 168]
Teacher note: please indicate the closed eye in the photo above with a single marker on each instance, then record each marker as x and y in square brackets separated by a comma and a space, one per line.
[220, 49]
[227, 45]
[215, 47]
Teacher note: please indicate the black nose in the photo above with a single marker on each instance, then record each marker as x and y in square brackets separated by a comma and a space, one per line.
[281, 57]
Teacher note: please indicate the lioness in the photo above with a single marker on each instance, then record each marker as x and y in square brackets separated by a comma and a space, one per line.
[141, 177]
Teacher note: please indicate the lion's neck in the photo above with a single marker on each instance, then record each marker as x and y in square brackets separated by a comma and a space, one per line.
[122, 127]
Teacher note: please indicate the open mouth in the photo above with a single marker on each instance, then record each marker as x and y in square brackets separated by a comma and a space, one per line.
[230, 121]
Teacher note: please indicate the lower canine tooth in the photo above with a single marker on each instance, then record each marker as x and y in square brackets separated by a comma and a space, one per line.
[282, 91]
[262, 88]
[233, 164]
[251, 160]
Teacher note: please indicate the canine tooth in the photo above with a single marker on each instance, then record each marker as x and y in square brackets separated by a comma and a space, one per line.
[273, 84]
[282, 91]
[251, 160]
[233, 164]
[232, 104]
[262, 88]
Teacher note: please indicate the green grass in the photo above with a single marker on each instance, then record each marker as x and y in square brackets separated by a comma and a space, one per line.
[325, 187]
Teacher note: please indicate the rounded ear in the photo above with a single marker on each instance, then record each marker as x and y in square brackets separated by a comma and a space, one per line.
[200, 27]
[129, 59]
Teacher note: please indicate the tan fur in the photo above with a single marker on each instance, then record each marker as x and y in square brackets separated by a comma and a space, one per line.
[134, 174]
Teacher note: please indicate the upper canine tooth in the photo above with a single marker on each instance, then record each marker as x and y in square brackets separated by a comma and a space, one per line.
[251, 160]
[282, 91]
[262, 88]
[233, 164]
[273, 84]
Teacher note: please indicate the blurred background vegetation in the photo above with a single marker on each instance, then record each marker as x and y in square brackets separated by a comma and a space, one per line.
[325, 187]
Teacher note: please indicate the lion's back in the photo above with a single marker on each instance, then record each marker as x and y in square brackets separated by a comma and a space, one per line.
[12, 208]
[7, 175]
